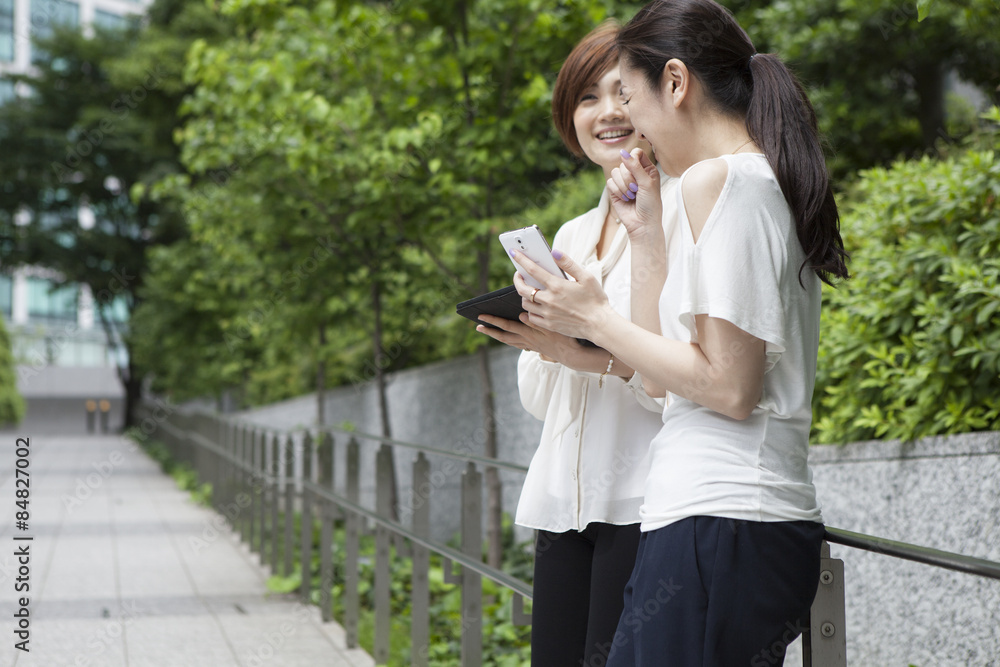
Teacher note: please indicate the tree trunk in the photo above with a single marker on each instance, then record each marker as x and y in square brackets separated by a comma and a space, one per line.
[381, 363]
[133, 392]
[929, 86]
[494, 488]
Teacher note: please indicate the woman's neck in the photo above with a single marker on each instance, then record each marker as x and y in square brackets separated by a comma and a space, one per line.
[713, 136]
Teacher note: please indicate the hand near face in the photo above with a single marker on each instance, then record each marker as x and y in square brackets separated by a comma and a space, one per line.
[634, 187]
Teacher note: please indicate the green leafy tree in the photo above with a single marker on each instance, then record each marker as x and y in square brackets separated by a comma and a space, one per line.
[407, 133]
[911, 345]
[11, 402]
[879, 77]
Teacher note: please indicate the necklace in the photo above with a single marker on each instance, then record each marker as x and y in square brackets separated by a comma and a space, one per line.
[741, 146]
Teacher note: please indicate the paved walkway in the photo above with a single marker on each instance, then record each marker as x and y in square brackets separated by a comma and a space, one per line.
[124, 570]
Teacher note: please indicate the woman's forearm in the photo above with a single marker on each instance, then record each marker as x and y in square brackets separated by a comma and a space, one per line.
[595, 360]
[724, 373]
[649, 272]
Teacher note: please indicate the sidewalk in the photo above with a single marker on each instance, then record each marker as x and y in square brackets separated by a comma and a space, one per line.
[124, 570]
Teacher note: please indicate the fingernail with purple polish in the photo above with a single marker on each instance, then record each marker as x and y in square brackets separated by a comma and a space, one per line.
[557, 254]
[626, 155]
[633, 187]
[511, 253]
[624, 198]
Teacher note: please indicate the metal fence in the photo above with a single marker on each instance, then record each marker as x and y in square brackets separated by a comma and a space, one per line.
[259, 475]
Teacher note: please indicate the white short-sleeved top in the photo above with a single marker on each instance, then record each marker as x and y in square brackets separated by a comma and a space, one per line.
[743, 269]
[592, 459]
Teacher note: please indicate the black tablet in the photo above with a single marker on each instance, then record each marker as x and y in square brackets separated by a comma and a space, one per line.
[505, 303]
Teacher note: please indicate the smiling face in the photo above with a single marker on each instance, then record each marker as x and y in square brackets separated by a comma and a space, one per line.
[602, 122]
[658, 116]
[642, 104]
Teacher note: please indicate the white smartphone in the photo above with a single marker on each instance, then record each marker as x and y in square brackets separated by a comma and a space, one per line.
[531, 242]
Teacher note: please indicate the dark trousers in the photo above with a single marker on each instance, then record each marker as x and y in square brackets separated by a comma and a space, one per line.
[712, 592]
[577, 599]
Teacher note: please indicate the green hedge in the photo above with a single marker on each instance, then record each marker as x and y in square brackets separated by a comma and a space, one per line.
[11, 402]
[910, 346]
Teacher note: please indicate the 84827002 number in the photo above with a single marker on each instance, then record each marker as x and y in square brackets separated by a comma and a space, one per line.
[22, 481]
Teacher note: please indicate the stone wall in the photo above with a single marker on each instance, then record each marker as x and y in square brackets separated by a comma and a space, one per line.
[939, 492]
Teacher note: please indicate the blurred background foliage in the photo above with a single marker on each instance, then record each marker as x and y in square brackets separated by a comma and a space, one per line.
[316, 184]
[11, 402]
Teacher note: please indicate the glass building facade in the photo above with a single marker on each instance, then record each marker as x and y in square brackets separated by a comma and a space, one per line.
[6, 30]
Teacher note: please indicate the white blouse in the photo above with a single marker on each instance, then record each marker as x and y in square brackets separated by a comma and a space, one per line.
[592, 461]
[743, 269]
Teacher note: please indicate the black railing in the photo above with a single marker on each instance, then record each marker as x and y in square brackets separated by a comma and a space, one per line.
[253, 475]
[935, 557]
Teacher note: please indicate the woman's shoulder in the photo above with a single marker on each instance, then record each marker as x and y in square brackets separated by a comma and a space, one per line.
[701, 187]
[707, 176]
[734, 176]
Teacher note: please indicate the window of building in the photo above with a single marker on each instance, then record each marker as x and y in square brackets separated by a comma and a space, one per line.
[118, 310]
[45, 16]
[6, 295]
[7, 30]
[46, 303]
[109, 20]
[6, 90]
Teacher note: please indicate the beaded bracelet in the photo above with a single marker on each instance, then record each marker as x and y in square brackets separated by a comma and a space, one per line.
[600, 380]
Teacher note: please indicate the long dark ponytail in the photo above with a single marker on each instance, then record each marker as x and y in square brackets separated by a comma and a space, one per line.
[758, 88]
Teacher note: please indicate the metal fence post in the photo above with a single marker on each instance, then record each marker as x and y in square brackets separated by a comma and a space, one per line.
[239, 510]
[234, 479]
[246, 482]
[352, 536]
[824, 644]
[306, 524]
[211, 458]
[325, 460]
[253, 502]
[261, 495]
[219, 495]
[287, 469]
[274, 453]
[472, 588]
[420, 615]
[230, 496]
[383, 575]
[202, 459]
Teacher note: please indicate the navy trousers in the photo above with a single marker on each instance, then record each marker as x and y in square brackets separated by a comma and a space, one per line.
[713, 592]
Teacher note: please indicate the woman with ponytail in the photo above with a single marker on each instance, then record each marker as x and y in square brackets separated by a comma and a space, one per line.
[728, 560]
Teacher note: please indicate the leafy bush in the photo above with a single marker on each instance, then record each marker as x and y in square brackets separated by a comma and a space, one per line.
[11, 402]
[910, 347]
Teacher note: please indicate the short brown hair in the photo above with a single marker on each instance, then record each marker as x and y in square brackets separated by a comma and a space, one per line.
[590, 59]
